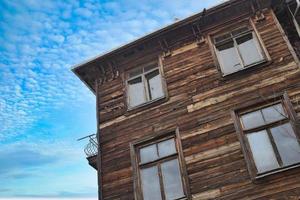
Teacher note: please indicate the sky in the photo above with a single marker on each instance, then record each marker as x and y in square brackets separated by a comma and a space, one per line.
[44, 107]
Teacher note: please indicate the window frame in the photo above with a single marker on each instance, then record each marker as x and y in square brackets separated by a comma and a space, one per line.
[228, 29]
[295, 14]
[137, 166]
[257, 105]
[143, 75]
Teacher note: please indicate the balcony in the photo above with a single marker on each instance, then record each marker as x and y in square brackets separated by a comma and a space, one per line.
[91, 150]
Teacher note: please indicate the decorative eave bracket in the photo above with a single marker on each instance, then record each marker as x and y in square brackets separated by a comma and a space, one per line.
[108, 72]
[257, 11]
[165, 48]
[198, 34]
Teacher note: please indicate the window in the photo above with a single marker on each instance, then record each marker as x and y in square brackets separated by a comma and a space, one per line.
[294, 10]
[144, 85]
[237, 50]
[159, 171]
[269, 138]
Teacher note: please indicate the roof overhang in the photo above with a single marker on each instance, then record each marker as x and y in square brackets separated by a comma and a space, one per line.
[82, 70]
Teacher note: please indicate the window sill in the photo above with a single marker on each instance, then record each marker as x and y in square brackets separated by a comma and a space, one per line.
[276, 171]
[154, 102]
[182, 198]
[247, 69]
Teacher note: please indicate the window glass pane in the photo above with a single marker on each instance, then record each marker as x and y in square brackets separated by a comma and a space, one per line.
[262, 151]
[136, 92]
[150, 183]
[149, 67]
[273, 113]
[249, 49]
[222, 38]
[228, 58]
[148, 153]
[239, 31]
[166, 148]
[252, 120]
[287, 144]
[154, 84]
[172, 179]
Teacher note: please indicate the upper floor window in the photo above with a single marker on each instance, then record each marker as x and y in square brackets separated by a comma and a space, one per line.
[269, 138]
[144, 84]
[237, 50]
[159, 170]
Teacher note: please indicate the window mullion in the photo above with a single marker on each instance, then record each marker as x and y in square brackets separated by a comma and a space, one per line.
[161, 182]
[148, 90]
[223, 42]
[263, 116]
[163, 159]
[146, 93]
[133, 77]
[269, 125]
[242, 34]
[151, 70]
[238, 52]
[156, 145]
[279, 160]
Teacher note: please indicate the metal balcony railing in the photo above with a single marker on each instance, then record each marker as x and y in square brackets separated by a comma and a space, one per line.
[91, 149]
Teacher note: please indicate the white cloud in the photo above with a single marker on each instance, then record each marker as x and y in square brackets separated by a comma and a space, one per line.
[84, 12]
[57, 38]
[39, 46]
[41, 40]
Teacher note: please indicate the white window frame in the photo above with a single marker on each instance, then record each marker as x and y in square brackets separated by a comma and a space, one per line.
[145, 85]
[233, 38]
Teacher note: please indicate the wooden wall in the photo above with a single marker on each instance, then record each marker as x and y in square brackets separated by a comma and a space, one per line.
[199, 103]
[285, 18]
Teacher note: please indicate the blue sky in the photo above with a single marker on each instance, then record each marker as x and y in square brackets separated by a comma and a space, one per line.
[44, 108]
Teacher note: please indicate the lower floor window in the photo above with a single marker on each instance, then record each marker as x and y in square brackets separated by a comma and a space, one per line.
[159, 170]
[168, 174]
[274, 148]
[269, 137]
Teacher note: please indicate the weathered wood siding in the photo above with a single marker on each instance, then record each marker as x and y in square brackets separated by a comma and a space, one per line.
[286, 21]
[199, 103]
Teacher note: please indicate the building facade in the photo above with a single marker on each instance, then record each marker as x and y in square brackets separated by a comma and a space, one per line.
[206, 108]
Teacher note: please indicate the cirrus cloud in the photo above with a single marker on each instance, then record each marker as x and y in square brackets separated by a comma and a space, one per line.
[43, 106]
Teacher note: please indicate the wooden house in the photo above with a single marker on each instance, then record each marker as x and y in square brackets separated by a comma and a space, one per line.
[205, 108]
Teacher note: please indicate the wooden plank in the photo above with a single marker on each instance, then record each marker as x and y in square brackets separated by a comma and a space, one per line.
[200, 103]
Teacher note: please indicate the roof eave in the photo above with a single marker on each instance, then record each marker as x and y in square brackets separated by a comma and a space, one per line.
[153, 34]
[85, 83]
